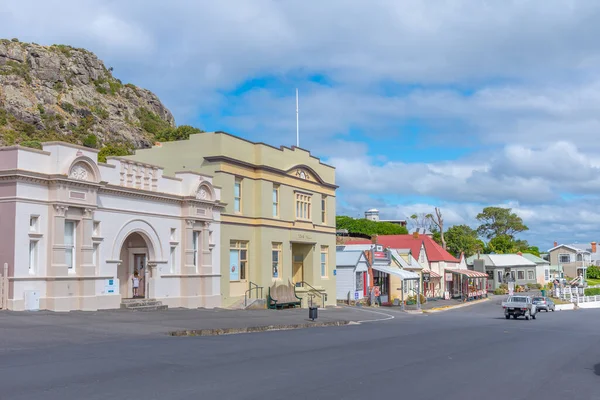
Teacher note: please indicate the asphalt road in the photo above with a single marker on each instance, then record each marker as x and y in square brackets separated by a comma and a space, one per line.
[468, 353]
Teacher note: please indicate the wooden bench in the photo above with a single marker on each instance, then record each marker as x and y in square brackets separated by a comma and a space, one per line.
[281, 296]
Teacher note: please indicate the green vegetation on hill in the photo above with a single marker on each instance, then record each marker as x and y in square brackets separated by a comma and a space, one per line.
[367, 227]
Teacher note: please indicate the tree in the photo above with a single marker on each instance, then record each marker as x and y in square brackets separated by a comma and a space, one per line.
[422, 221]
[438, 221]
[501, 244]
[463, 239]
[367, 227]
[533, 250]
[498, 221]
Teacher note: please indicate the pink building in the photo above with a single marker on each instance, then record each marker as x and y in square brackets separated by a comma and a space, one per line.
[75, 231]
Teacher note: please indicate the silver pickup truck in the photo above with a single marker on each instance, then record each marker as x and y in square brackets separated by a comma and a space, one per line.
[519, 306]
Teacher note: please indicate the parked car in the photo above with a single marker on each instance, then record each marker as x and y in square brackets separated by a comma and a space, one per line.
[517, 306]
[544, 303]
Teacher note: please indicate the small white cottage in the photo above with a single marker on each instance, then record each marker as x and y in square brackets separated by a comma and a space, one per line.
[75, 232]
[351, 274]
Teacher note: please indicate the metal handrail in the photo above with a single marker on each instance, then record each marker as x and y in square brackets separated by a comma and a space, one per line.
[313, 289]
[248, 293]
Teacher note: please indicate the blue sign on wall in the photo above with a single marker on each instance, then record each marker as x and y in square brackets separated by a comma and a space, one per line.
[334, 272]
[355, 295]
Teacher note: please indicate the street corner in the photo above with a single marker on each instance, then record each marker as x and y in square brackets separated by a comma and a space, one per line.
[453, 307]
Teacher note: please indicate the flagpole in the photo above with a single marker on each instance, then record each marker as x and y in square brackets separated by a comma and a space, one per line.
[297, 122]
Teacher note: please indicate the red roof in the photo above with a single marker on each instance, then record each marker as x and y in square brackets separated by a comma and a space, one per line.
[434, 251]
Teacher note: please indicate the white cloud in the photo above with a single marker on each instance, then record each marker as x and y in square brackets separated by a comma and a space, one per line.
[513, 76]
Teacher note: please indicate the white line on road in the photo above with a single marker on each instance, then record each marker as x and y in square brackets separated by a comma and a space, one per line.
[374, 312]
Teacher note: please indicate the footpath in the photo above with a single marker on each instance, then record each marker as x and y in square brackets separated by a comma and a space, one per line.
[37, 329]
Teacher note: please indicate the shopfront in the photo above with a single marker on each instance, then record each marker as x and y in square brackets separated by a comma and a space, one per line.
[465, 284]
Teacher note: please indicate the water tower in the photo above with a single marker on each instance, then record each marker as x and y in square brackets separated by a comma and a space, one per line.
[372, 214]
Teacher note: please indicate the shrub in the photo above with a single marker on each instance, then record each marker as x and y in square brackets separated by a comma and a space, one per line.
[151, 122]
[182, 132]
[499, 291]
[91, 141]
[3, 117]
[34, 144]
[592, 292]
[114, 150]
[58, 86]
[68, 107]
[100, 112]
[593, 272]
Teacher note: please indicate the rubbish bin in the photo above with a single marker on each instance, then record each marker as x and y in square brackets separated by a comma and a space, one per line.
[543, 292]
[312, 313]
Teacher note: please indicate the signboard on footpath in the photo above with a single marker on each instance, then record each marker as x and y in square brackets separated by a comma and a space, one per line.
[426, 277]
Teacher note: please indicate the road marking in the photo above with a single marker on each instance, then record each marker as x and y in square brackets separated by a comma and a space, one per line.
[373, 312]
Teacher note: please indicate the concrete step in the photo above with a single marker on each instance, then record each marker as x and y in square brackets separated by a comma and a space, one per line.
[142, 305]
[149, 308]
[256, 304]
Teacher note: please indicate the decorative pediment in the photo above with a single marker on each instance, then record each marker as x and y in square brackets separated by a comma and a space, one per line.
[205, 191]
[83, 168]
[305, 173]
[81, 172]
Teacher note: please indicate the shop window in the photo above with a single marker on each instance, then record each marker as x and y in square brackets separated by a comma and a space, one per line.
[196, 246]
[238, 260]
[33, 256]
[70, 245]
[359, 281]
[276, 201]
[276, 260]
[324, 260]
[173, 259]
[237, 196]
[303, 206]
[95, 254]
[530, 275]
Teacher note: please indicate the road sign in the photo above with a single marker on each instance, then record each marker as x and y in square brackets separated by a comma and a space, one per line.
[355, 295]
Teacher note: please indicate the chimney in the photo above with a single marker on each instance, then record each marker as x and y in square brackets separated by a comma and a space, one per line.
[555, 244]
[594, 247]
[416, 234]
[374, 239]
[369, 256]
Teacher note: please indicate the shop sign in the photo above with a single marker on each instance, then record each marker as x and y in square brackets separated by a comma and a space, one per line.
[355, 295]
[426, 277]
[448, 276]
[379, 254]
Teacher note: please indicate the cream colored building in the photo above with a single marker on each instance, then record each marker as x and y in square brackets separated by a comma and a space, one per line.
[76, 231]
[278, 224]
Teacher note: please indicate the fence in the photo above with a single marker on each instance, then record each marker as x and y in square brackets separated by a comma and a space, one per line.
[574, 295]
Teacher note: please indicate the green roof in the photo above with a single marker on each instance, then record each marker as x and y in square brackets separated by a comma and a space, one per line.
[528, 256]
[535, 259]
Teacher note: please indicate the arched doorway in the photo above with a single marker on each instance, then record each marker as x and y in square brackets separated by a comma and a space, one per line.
[134, 263]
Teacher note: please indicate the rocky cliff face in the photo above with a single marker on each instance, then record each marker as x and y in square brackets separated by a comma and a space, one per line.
[62, 93]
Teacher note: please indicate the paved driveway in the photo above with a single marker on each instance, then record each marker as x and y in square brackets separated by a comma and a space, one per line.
[468, 353]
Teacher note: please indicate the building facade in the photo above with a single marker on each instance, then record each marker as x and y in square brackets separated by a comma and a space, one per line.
[278, 225]
[575, 258]
[522, 269]
[75, 231]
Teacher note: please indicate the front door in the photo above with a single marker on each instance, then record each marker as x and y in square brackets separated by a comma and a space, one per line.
[297, 271]
[139, 266]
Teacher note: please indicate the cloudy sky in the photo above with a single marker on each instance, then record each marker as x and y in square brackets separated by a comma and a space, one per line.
[458, 104]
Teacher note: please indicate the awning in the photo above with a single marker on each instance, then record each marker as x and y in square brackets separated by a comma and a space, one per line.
[431, 273]
[469, 273]
[396, 271]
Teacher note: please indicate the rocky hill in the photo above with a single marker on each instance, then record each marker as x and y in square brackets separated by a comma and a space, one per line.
[62, 93]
